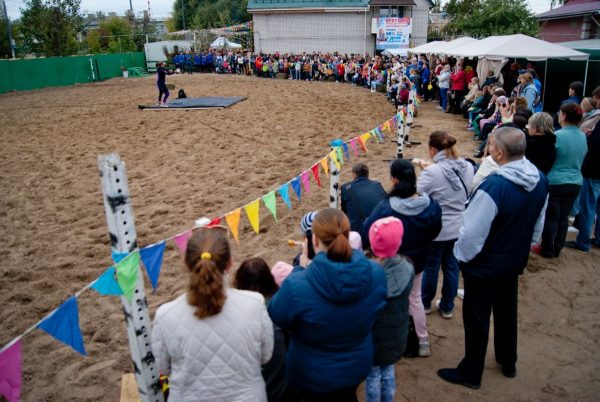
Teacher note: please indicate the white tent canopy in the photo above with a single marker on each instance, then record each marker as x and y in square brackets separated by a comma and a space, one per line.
[515, 46]
[445, 48]
[222, 42]
[425, 48]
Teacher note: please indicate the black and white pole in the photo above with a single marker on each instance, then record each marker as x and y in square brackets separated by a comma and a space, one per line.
[400, 130]
[408, 122]
[123, 239]
[334, 178]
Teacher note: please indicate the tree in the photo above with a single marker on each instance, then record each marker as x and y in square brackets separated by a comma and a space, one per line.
[481, 18]
[437, 6]
[50, 27]
[202, 14]
[4, 45]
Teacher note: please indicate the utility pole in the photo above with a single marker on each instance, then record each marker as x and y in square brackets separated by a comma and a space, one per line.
[11, 43]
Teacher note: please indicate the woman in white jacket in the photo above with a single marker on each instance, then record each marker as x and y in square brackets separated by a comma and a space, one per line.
[447, 180]
[212, 340]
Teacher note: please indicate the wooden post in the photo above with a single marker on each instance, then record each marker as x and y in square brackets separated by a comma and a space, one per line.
[400, 139]
[334, 178]
[123, 239]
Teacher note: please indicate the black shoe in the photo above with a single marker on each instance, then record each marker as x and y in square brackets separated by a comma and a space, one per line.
[455, 377]
[509, 372]
[575, 246]
[478, 154]
[595, 242]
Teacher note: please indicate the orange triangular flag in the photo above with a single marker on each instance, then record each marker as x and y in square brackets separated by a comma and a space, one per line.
[233, 221]
[325, 166]
[362, 143]
[252, 212]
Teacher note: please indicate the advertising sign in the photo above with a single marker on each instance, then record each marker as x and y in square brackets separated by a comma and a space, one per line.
[393, 33]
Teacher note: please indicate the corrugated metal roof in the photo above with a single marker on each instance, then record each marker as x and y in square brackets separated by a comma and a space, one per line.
[279, 4]
[591, 7]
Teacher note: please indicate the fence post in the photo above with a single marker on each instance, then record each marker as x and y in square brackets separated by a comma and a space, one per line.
[123, 239]
[334, 180]
[400, 138]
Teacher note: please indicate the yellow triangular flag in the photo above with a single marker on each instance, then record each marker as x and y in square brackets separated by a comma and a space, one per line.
[325, 166]
[386, 126]
[252, 212]
[365, 137]
[333, 156]
[233, 221]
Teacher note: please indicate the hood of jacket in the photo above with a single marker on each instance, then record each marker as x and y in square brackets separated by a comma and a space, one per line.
[341, 282]
[521, 172]
[452, 169]
[398, 272]
[410, 206]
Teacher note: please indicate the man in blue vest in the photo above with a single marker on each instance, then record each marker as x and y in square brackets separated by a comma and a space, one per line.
[504, 217]
[360, 196]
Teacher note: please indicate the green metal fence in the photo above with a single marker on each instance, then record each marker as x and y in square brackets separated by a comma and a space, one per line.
[18, 75]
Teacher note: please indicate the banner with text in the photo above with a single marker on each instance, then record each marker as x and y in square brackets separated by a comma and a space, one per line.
[393, 33]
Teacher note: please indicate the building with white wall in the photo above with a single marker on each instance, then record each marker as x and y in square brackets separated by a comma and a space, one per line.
[344, 26]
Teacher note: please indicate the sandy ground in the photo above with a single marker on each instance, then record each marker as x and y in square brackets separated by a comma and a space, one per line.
[183, 165]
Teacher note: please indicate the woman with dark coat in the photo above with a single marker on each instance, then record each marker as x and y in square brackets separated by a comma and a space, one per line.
[541, 141]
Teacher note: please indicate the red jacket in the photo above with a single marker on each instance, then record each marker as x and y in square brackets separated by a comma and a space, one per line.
[459, 81]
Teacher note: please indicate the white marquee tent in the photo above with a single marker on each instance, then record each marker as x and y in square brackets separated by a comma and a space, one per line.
[445, 48]
[425, 48]
[222, 42]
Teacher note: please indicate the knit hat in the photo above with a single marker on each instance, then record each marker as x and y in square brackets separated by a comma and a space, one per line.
[280, 271]
[385, 236]
[307, 221]
[355, 241]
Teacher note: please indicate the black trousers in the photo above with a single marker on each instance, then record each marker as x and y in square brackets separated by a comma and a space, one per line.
[556, 225]
[482, 297]
[341, 395]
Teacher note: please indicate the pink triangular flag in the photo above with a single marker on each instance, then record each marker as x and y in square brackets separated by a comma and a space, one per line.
[305, 177]
[181, 240]
[354, 147]
[10, 372]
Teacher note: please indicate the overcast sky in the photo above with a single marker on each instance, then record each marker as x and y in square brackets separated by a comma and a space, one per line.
[163, 8]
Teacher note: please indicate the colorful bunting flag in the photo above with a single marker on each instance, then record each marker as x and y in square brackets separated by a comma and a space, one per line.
[325, 165]
[315, 172]
[339, 154]
[296, 186]
[345, 146]
[362, 144]
[10, 372]
[63, 324]
[375, 135]
[117, 256]
[284, 192]
[233, 221]
[386, 126]
[305, 182]
[271, 204]
[181, 240]
[106, 284]
[214, 222]
[333, 156]
[354, 147]
[253, 214]
[152, 257]
[127, 272]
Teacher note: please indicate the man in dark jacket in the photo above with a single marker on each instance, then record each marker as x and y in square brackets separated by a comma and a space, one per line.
[504, 216]
[589, 196]
[360, 196]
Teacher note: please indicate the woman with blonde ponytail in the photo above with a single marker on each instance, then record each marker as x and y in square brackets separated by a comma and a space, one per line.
[330, 309]
[212, 340]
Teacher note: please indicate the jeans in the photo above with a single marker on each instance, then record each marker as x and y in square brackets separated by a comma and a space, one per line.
[444, 98]
[560, 202]
[440, 252]
[381, 384]
[589, 203]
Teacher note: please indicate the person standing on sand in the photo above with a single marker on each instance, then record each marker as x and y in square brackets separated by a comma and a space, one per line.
[161, 73]
[505, 214]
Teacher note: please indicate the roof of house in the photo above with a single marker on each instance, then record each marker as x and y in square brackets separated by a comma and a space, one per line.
[283, 4]
[571, 9]
[393, 3]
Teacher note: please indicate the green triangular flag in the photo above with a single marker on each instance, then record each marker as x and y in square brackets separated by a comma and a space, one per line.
[271, 204]
[340, 155]
[127, 271]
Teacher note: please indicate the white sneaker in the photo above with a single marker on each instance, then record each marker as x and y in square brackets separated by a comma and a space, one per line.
[424, 349]
[427, 310]
[571, 229]
[460, 293]
[442, 312]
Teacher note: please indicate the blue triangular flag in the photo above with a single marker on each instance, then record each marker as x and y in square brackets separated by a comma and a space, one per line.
[296, 186]
[63, 324]
[345, 146]
[285, 194]
[152, 257]
[107, 285]
[117, 257]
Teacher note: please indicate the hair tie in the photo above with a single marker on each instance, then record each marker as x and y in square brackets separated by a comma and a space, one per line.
[205, 256]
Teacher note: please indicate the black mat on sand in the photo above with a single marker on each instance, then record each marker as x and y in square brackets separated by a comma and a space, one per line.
[196, 103]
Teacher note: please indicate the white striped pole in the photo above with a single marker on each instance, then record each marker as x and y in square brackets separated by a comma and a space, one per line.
[334, 178]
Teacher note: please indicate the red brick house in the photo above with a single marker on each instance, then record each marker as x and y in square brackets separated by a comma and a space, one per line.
[575, 20]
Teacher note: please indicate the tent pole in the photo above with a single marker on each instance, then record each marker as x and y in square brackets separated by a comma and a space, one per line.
[545, 79]
[587, 64]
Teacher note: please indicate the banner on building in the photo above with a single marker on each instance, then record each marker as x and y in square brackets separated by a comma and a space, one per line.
[393, 33]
